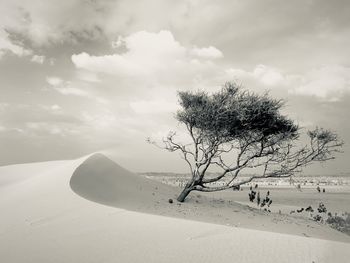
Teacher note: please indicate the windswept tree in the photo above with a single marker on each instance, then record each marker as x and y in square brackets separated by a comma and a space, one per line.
[235, 130]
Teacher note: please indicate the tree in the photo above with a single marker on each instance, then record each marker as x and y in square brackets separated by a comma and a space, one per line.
[235, 130]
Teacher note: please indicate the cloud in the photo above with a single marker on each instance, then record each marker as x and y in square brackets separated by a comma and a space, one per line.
[158, 59]
[72, 88]
[268, 76]
[65, 87]
[67, 90]
[6, 45]
[146, 53]
[44, 23]
[150, 55]
[110, 64]
[327, 82]
[209, 52]
[50, 22]
[263, 74]
[56, 107]
[38, 59]
[54, 81]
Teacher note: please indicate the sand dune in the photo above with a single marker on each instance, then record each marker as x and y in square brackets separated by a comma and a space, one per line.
[101, 180]
[43, 219]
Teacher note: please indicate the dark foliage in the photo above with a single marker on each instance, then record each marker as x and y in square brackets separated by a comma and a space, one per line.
[233, 114]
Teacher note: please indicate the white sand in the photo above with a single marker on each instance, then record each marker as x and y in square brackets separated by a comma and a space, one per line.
[44, 220]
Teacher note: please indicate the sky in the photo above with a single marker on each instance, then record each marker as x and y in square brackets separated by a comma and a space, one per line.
[83, 76]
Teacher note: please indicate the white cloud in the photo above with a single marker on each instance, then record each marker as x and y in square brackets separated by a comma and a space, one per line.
[153, 55]
[67, 90]
[268, 76]
[327, 82]
[208, 53]
[54, 81]
[263, 74]
[38, 59]
[65, 87]
[107, 64]
[56, 107]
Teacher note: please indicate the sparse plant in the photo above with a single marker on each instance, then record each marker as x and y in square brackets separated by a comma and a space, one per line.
[341, 223]
[318, 218]
[235, 130]
[267, 201]
[252, 195]
[309, 209]
[322, 208]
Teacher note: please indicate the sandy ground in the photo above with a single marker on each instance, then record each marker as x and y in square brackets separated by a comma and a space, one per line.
[50, 215]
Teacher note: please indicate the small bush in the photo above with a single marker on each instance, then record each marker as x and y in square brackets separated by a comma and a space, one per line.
[318, 218]
[322, 208]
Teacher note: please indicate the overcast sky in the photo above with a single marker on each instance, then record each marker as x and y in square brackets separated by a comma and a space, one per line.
[79, 76]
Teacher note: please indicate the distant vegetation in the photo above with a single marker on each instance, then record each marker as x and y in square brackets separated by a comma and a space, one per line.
[235, 130]
[322, 215]
[180, 179]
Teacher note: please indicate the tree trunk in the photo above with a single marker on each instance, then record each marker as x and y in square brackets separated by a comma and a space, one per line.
[185, 192]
